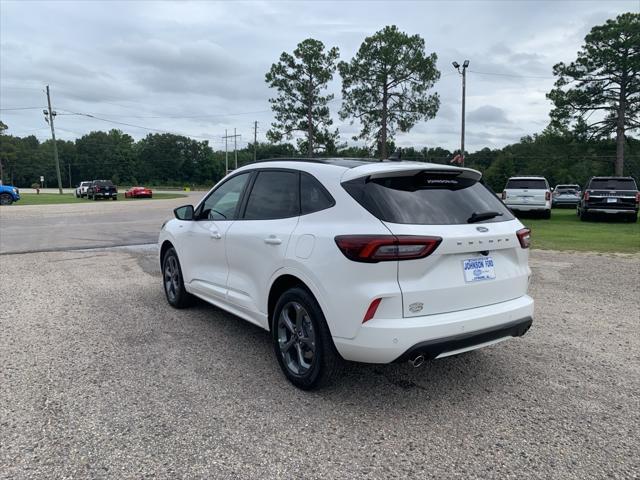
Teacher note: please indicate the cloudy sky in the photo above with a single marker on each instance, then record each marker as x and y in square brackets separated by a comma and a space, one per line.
[197, 68]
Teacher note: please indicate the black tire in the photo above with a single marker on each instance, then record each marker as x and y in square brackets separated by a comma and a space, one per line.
[115, 198]
[633, 218]
[172, 281]
[546, 214]
[584, 216]
[308, 339]
[6, 199]
[94, 197]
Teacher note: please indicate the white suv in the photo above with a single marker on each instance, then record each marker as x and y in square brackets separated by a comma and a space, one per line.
[528, 194]
[345, 259]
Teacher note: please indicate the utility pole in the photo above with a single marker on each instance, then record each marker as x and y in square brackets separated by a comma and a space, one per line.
[255, 140]
[70, 184]
[456, 65]
[235, 148]
[226, 154]
[48, 116]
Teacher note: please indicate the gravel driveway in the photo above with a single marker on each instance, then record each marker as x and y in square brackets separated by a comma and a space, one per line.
[101, 379]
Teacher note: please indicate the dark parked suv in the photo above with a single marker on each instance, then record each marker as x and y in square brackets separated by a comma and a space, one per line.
[610, 196]
[102, 189]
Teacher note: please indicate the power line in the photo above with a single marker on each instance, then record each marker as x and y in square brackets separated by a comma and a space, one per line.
[11, 109]
[136, 126]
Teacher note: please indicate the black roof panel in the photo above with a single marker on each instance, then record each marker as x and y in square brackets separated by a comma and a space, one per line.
[339, 162]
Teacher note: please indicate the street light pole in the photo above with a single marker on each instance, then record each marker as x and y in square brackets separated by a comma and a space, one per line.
[456, 65]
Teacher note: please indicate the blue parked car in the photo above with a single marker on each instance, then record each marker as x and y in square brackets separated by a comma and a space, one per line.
[8, 194]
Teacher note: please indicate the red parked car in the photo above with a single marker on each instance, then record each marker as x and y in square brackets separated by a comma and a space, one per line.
[138, 192]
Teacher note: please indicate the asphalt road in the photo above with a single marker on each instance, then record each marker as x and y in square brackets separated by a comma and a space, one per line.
[100, 378]
[29, 228]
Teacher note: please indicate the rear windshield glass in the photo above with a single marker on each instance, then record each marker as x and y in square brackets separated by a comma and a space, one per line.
[426, 199]
[566, 189]
[532, 184]
[612, 184]
[104, 183]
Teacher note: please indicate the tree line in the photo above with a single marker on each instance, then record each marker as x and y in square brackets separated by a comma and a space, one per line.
[173, 160]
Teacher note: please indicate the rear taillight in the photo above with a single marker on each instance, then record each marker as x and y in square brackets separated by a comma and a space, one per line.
[524, 237]
[504, 194]
[97, 189]
[638, 197]
[547, 196]
[586, 196]
[381, 248]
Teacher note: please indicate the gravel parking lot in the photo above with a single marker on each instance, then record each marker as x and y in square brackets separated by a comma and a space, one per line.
[100, 378]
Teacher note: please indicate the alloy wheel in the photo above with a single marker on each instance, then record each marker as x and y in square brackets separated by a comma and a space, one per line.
[171, 278]
[296, 338]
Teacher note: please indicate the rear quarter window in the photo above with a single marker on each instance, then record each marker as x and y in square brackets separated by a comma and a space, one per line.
[426, 199]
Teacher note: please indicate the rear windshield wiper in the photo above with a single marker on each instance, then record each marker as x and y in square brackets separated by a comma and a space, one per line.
[478, 217]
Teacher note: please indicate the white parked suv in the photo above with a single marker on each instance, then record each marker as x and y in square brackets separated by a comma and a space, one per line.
[81, 191]
[354, 260]
[528, 194]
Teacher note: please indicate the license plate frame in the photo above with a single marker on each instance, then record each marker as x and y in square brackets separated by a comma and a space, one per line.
[612, 200]
[478, 269]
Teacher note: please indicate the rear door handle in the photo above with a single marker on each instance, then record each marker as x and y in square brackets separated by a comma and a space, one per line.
[272, 240]
[215, 235]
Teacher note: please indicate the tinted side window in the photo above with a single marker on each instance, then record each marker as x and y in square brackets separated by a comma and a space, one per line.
[313, 196]
[222, 203]
[275, 194]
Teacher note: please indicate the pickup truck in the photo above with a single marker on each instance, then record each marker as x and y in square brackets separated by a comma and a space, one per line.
[81, 191]
[8, 194]
[102, 189]
[610, 196]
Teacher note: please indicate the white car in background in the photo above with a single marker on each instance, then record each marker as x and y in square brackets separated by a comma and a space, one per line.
[81, 191]
[372, 262]
[528, 194]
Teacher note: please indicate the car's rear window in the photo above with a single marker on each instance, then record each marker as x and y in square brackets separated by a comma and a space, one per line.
[530, 184]
[613, 184]
[104, 183]
[426, 199]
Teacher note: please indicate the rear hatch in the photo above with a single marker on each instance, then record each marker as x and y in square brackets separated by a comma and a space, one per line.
[612, 193]
[526, 191]
[478, 262]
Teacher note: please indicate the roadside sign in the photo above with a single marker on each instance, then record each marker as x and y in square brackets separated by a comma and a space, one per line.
[41, 178]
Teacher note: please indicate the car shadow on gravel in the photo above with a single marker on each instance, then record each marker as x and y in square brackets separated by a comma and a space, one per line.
[466, 375]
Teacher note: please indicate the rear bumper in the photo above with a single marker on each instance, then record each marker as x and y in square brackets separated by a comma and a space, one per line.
[611, 210]
[528, 207]
[469, 341]
[562, 201]
[388, 340]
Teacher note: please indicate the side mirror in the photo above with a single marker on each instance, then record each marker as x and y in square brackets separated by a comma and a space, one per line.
[184, 212]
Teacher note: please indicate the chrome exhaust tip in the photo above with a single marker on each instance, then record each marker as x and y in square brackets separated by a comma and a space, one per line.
[417, 361]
